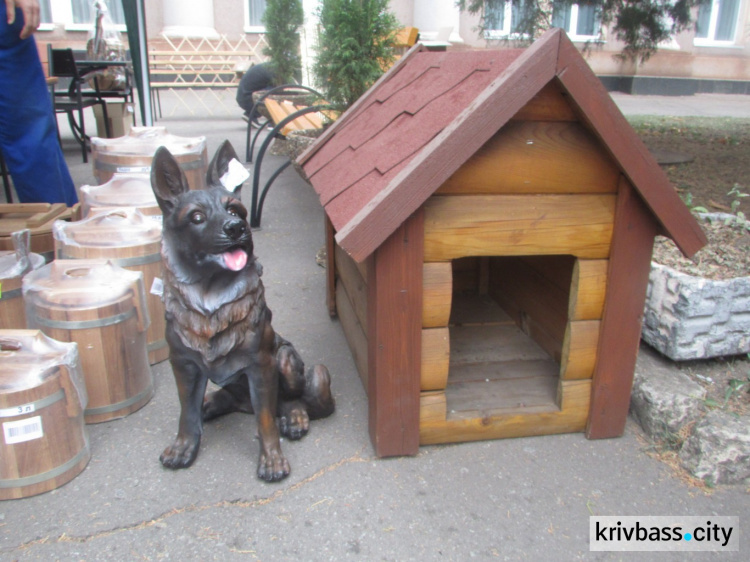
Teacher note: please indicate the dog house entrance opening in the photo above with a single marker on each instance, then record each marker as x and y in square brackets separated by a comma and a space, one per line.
[504, 348]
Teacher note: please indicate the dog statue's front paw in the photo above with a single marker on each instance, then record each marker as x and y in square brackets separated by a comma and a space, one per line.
[294, 423]
[273, 467]
[181, 453]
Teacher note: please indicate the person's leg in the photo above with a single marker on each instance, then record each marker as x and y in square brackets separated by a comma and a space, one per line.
[28, 134]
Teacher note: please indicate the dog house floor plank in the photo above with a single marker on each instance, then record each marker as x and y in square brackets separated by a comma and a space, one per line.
[473, 309]
[492, 343]
[489, 371]
[495, 397]
[495, 368]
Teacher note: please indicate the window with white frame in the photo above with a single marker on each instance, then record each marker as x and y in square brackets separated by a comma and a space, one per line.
[717, 22]
[502, 21]
[45, 16]
[580, 22]
[254, 10]
[78, 15]
[45, 13]
[84, 11]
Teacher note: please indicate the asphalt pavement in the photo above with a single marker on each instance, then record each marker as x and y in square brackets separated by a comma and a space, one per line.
[514, 499]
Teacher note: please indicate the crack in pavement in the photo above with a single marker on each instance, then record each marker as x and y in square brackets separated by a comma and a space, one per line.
[65, 538]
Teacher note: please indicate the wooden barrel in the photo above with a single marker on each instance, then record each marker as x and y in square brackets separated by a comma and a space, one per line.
[134, 152]
[12, 315]
[101, 307]
[122, 190]
[36, 217]
[131, 240]
[42, 400]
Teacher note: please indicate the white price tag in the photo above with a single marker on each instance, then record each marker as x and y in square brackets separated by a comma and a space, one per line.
[23, 430]
[157, 287]
[236, 175]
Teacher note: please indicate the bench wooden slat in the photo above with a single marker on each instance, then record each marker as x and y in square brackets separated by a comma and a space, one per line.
[278, 113]
[281, 110]
[306, 121]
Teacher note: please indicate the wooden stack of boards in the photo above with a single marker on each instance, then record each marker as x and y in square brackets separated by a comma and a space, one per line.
[38, 218]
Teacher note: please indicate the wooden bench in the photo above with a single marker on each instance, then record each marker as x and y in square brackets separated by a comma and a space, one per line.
[280, 110]
[195, 69]
[285, 117]
[406, 38]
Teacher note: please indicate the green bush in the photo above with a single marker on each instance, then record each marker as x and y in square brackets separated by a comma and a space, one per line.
[282, 19]
[355, 45]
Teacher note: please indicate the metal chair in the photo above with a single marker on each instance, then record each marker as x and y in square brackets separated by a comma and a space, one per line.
[63, 65]
[98, 89]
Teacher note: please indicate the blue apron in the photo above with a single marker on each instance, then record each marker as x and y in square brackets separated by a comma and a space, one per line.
[28, 132]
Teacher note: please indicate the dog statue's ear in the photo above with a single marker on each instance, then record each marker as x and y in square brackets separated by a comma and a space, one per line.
[220, 165]
[167, 179]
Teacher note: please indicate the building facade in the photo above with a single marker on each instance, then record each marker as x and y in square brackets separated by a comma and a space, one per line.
[714, 57]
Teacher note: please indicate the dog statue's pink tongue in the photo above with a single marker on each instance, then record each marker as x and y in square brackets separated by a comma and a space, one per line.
[235, 260]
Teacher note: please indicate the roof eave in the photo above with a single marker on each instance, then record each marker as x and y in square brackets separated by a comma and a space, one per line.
[607, 122]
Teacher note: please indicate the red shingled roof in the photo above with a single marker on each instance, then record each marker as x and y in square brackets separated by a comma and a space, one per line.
[433, 110]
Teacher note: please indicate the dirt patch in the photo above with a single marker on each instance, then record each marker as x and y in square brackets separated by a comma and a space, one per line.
[713, 178]
[720, 152]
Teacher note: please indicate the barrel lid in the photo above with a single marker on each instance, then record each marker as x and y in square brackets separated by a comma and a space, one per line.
[124, 227]
[122, 190]
[145, 140]
[29, 357]
[81, 283]
[11, 266]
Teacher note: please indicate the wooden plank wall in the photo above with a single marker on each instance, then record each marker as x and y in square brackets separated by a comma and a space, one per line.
[351, 305]
[535, 295]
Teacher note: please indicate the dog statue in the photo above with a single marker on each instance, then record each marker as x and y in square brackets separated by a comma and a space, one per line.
[218, 326]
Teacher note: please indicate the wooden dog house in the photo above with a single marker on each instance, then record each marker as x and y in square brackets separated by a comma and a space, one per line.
[491, 217]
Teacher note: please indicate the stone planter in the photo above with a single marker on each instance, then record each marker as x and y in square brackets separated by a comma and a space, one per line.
[689, 317]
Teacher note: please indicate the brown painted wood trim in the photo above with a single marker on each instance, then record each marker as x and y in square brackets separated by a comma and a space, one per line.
[629, 267]
[634, 159]
[394, 328]
[330, 268]
[354, 108]
[455, 144]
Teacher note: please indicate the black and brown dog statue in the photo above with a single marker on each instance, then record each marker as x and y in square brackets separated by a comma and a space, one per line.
[218, 324]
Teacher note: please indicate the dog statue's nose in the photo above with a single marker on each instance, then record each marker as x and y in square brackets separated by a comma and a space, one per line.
[234, 229]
